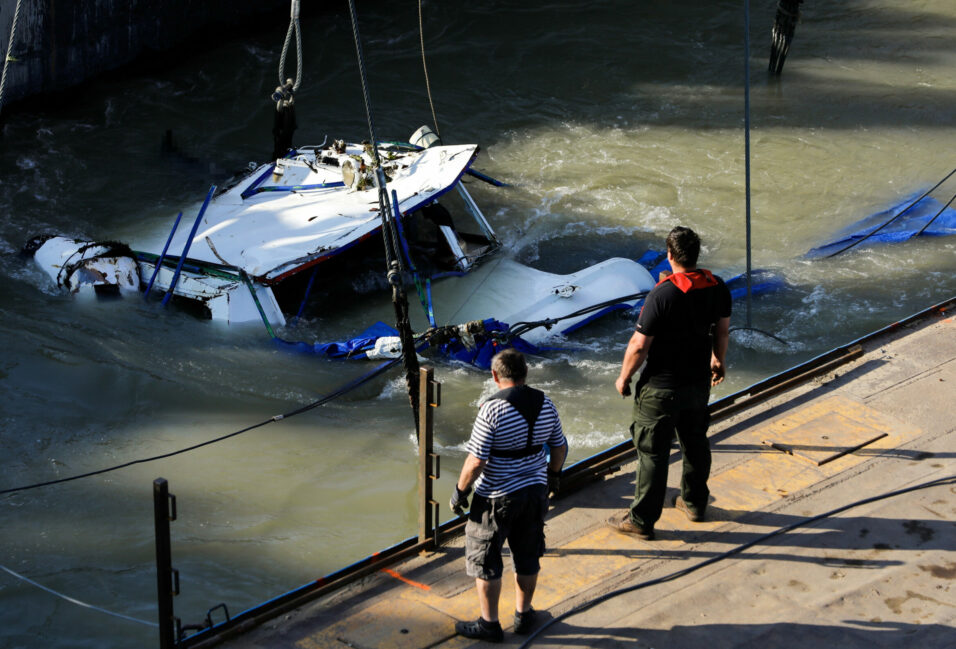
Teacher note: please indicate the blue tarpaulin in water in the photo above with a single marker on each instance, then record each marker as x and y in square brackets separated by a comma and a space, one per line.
[761, 281]
[907, 225]
[353, 348]
[479, 354]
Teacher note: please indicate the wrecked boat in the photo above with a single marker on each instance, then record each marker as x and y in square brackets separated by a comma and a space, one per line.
[254, 247]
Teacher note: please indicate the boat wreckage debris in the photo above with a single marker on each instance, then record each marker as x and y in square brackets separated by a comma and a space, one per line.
[251, 242]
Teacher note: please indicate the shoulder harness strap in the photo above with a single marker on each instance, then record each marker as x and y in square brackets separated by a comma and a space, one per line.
[528, 402]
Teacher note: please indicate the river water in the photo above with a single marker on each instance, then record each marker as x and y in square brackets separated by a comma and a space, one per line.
[613, 121]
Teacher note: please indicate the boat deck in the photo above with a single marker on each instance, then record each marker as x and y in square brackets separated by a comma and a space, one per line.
[876, 575]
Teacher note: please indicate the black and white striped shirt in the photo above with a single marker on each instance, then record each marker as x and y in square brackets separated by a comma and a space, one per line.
[500, 426]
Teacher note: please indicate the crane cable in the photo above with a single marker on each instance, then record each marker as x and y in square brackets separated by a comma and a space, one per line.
[284, 122]
[393, 255]
[428, 87]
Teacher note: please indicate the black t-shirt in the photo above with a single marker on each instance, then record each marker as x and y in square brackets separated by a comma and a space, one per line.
[682, 326]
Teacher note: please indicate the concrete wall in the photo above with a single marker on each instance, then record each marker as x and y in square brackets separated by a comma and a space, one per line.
[60, 43]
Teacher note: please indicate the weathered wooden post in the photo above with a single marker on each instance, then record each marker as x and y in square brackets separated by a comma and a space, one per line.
[167, 579]
[429, 398]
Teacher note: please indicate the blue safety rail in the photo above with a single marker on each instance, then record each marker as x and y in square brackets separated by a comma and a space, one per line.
[162, 256]
[424, 291]
[189, 242]
[250, 190]
[289, 188]
[488, 179]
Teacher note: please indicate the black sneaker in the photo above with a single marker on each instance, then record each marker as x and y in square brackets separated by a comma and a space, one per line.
[524, 622]
[481, 629]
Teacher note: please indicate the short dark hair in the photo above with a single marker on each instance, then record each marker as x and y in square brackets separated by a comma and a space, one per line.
[509, 364]
[684, 246]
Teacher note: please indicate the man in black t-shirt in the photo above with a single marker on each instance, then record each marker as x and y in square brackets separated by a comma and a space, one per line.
[682, 333]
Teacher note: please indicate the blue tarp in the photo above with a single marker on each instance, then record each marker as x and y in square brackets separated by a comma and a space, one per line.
[905, 226]
[761, 281]
[479, 355]
[353, 348]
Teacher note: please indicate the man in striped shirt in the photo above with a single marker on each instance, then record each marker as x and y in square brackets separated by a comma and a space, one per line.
[509, 466]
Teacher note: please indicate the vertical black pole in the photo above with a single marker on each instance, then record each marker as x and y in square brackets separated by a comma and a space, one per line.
[427, 461]
[747, 141]
[164, 567]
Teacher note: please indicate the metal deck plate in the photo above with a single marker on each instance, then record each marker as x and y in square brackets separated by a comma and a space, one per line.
[400, 625]
[826, 438]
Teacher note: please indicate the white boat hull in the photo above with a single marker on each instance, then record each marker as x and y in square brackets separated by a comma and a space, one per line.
[513, 293]
[81, 267]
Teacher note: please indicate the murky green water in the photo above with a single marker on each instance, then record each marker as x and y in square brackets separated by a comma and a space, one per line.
[613, 120]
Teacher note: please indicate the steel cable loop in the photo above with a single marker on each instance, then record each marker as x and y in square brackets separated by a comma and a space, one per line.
[6, 59]
[293, 27]
[285, 51]
[734, 551]
[298, 56]
[896, 216]
[76, 601]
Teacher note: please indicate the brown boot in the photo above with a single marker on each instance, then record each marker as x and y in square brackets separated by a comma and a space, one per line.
[692, 513]
[627, 526]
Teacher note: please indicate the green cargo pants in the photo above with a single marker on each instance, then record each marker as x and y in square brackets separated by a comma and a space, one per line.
[659, 414]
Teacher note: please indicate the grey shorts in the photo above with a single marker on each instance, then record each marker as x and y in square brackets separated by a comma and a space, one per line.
[517, 518]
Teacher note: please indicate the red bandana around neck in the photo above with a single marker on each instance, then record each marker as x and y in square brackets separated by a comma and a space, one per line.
[691, 280]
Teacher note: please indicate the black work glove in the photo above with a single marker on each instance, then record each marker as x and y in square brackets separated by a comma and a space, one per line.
[459, 500]
[554, 482]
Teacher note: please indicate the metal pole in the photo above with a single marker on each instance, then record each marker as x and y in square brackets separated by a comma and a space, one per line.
[429, 396]
[162, 256]
[747, 142]
[162, 500]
